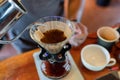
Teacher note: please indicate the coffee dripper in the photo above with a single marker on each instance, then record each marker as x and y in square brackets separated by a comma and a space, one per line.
[55, 62]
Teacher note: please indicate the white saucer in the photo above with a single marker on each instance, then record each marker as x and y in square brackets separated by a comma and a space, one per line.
[74, 74]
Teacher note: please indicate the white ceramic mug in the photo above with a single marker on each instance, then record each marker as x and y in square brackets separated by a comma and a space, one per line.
[95, 57]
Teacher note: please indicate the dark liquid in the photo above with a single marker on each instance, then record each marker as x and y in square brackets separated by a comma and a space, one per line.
[53, 36]
[55, 70]
[103, 2]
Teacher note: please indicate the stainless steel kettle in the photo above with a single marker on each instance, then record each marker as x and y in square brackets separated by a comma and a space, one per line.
[10, 12]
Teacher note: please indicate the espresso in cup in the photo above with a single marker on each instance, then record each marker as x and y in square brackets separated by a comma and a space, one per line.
[95, 57]
[107, 36]
[107, 33]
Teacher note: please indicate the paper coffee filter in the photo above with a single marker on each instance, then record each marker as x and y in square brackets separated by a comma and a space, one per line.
[56, 25]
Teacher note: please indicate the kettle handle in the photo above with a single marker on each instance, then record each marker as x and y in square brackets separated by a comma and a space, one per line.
[19, 35]
[15, 38]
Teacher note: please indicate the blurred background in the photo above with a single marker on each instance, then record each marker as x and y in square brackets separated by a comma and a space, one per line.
[94, 16]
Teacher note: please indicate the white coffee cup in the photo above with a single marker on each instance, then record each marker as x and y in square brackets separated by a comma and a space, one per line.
[95, 57]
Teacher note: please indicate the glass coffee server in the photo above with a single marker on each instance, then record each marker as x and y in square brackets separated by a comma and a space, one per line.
[52, 33]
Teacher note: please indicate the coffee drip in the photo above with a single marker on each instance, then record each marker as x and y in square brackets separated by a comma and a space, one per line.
[52, 34]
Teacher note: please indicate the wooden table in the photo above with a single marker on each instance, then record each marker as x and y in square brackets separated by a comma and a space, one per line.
[22, 67]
